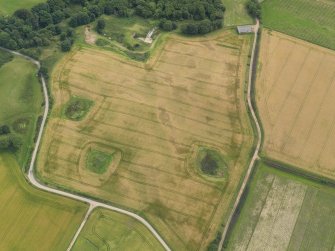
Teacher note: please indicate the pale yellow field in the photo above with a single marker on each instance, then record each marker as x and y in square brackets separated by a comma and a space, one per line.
[31, 219]
[155, 115]
[295, 97]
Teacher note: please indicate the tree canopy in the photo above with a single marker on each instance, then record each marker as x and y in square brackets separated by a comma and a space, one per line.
[254, 8]
[49, 21]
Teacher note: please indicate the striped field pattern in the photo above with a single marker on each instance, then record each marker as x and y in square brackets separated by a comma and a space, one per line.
[310, 20]
[156, 114]
[284, 213]
[295, 96]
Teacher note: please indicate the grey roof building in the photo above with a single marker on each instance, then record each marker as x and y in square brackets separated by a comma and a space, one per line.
[242, 29]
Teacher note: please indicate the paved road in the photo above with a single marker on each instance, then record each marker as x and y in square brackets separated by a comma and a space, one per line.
[258, 146]
[92, 203]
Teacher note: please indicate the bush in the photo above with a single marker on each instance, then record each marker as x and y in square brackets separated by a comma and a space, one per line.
[5, 57]
[80, 19]
[43, 72]
[4, 143]
[10, 143]
[101, 24]
[204, 27]
[167, 25]
[190, 29]
[66, 45]
[254, 8]
[4, 130]
[34, 53]
[15, 143]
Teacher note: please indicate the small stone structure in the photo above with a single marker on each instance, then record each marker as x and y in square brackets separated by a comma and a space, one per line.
[148, 38]
[245, 29]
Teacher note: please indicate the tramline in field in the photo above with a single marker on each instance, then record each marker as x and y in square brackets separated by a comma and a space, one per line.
[295, 89]
[140, 124]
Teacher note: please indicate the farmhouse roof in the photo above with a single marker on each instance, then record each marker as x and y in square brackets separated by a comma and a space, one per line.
[245, 29]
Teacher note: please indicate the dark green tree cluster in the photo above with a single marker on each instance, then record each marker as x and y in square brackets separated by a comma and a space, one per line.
[9, 141]
[254, 8]
[203, 16]
[101, 24]
[201, 27]
[179, 9]
[50, 21]
[5, 57]
[167, 25]
[35, 27]
[4, 129]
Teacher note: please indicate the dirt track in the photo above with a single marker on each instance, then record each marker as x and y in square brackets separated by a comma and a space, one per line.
[258, 146]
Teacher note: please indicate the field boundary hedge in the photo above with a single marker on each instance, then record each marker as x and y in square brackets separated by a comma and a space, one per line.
[288, 168]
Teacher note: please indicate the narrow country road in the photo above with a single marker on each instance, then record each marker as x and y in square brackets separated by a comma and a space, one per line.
[259, 140]
[92, 203]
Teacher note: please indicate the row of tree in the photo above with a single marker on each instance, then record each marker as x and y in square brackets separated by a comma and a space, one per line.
[49, 21]
[201, 27]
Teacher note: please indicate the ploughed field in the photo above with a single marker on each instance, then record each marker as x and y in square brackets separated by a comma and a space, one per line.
[285, 212]
[295, 97]
[145, 127]
[108, 230]
[32, 219]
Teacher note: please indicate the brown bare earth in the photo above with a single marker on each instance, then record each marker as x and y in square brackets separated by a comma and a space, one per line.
[90, 37]
[295, 96]
[191, 94]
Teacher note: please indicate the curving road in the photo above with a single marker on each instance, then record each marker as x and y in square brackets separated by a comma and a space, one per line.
[259, 140]
[92, 203]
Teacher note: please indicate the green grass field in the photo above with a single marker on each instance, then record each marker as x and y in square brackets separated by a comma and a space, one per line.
[107, 230]
[123, 36]
[20, 102]
[31, 219]
[8, 7]
[310, 20]
[236, 13]
[285, 212]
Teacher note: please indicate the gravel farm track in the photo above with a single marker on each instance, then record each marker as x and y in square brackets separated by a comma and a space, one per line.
[258, 145]
[94, 204]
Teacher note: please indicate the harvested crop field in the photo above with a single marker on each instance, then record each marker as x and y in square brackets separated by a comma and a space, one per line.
[107, 230]
[156, 115]
[295, 97]
[31, 219]
[284, 212]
